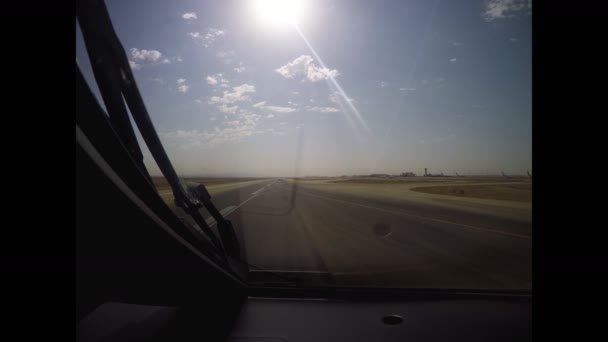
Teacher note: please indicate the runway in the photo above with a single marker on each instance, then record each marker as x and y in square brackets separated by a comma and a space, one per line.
[316, 236]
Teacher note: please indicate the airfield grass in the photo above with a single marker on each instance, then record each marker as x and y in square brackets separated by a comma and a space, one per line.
[505, 192]
[411, 180]
[384, 181]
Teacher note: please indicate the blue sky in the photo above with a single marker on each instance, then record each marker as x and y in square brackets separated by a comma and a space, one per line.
[380, 87]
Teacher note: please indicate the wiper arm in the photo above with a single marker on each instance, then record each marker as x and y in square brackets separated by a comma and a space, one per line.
[103, 64]
[110, 64]
[201, 196]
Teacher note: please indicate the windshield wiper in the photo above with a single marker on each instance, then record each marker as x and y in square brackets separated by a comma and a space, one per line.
[200, 197]
[117, 86]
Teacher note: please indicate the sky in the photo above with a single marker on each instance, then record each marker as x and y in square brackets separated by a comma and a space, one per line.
[332, 87]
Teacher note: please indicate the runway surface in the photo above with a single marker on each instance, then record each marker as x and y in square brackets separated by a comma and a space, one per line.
[312, 236]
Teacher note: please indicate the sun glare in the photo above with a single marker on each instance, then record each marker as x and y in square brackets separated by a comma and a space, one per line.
[278, 13]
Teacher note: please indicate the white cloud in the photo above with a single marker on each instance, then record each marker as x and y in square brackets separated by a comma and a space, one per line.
[198, 101]
[292, 103]
[383, 84]
[236, 129]
[317, 74]
[283, 123]
[244, 88]
[157, 80]
[279, 109]
[227, 109]
[188, 16]
[456, 43]
[277, 133]
[193, 138]
[134, 65]
[305, 66]
[237, 94]
[215, 99]
[452, 60]
[270, 116]
[407, 89]
[240, 68]
[501, 9]
[276, 109]
[513, 40]
[208, 38]
[217, 78]
[144, 55]
[323, 109]
[182, 86]
[211, 80]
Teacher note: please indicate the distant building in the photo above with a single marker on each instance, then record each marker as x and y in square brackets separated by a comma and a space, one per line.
[408, 174]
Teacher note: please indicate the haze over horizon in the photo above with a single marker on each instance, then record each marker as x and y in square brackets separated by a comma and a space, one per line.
[356, 87]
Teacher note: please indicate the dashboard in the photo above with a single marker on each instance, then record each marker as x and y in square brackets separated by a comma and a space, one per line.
[303, 320]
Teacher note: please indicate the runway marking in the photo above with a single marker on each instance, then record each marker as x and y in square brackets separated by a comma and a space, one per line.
[170, 192]
[421, 217]
[211, 221]
[257, 191]
[232, 208]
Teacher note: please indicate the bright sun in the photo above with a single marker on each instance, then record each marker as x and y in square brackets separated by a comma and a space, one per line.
[278, 13]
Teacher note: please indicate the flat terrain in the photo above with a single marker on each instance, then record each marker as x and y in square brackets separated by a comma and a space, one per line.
[317, 231]
[507, 192]
[416, 180]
